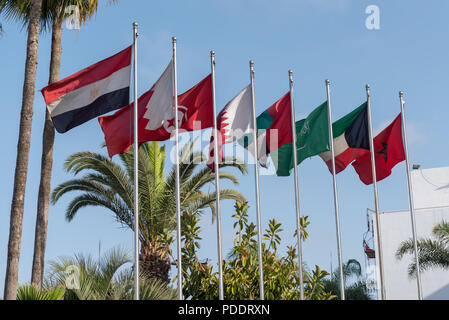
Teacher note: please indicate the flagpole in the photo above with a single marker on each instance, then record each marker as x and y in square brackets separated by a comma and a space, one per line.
[217, 182]
[256, 175]
[337, 215]
[410, 197]
[295, 167]
[136, 172]
[178, 200]
[376, 198]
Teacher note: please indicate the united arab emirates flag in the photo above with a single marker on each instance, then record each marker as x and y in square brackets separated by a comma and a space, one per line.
[312, 138]
[388, 152]
[351, 139]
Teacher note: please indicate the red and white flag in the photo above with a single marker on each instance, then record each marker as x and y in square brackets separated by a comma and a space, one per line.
[233, 122]
[156, 114]
[89, 93]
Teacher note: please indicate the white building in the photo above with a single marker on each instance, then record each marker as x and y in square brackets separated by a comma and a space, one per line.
[431, 202]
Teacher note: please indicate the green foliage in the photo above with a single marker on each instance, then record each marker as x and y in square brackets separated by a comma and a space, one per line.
[240, 269]
[19, 10]
[108, 278]
[355, 287]
[30, 292]
[110, 185]
[432, 252]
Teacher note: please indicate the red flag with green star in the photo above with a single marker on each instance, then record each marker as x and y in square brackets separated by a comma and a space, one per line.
[389, 151]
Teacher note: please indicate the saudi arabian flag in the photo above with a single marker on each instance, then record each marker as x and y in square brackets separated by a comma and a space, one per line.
[312, 138]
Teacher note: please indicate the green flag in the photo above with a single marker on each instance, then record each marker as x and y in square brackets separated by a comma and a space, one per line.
[312, 138]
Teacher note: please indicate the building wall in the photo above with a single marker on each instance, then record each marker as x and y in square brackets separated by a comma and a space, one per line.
[431, 199]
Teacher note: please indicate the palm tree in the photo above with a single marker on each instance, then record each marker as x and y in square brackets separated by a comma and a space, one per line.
[432, 253]
[110, 185]
[31, 292]
[108, 278]
[23, 145]
[53, 13]
[357, 290]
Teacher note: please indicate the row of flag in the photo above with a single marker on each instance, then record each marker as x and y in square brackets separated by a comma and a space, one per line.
[105, 86]
[161, 112]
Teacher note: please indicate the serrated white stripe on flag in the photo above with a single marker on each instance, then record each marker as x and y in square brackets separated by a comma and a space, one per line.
[236, 117]
[160, 106]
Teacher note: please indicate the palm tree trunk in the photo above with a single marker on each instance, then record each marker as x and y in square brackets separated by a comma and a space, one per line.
[43, 201]
[23, 150]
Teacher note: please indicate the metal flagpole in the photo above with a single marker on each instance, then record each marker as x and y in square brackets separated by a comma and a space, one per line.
[217, 182]
[295, 167]
[136, 172]
[410, 197]
[256, 175]
[337, 215]
[178, 200]
[376, 199]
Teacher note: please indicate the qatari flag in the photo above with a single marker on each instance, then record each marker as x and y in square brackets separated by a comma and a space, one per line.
[91, 92]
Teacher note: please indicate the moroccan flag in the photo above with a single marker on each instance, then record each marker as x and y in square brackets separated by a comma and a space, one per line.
[351, 139]
[156, 114]
[89, 93]
[233, 122]
[312, 138]
[274, 130]
[389, 151]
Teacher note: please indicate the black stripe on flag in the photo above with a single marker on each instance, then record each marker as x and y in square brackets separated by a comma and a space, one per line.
[106, 103]
[357, 134]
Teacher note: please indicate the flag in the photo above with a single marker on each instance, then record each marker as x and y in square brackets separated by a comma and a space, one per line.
[273, 130]
[388, 151]
[351, 139]
[89, 93]
[312, 138]
[156, 114]
[233, 122]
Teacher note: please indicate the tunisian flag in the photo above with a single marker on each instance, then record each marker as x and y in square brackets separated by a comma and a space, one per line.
[156, 114]
[389, 151]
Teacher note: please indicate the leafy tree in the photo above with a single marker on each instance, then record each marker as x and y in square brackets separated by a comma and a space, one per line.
[432, 253]
[24, 142]
[108, 278]
[110, 185]
[356, 290]
[240, 269]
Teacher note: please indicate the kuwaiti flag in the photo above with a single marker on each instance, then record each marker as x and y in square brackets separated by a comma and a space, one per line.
[89, 93]
[156, 114]
[233, 122]
[351, 139]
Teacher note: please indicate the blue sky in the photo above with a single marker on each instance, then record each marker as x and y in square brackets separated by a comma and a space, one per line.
[317, 39]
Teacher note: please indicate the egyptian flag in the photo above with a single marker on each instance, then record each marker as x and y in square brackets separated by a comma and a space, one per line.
[351, 139]
[389, 151]
[89, 93]
[156, 114]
